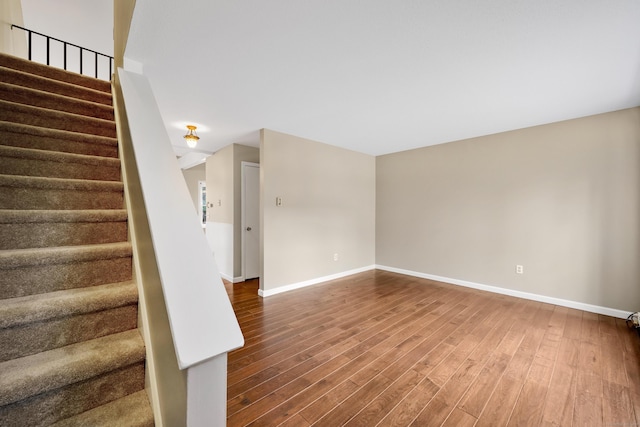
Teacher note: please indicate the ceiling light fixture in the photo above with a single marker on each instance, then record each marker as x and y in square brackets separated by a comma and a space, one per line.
[191, 137]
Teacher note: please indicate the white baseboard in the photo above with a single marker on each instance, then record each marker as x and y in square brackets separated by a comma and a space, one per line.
[315, 281]
[526, 295]
[232, 279]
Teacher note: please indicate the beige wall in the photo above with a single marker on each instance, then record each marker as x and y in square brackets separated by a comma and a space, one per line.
[219, 232]
[192, 176]
[123, 13]
[561, 199]
[328, 206]
[219, 176]
[13, 42]
[223, 172]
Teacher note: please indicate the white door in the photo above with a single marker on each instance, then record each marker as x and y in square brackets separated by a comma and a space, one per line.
[250, 220]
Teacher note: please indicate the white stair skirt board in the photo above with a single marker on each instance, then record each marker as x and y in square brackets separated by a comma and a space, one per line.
[315, 281]
[519, 294]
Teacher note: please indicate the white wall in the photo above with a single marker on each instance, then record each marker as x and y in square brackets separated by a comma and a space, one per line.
[86, 23]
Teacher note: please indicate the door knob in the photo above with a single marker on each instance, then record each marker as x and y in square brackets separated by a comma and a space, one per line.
[248, 228]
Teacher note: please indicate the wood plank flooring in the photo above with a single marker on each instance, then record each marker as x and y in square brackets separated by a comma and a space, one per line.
[380, 348]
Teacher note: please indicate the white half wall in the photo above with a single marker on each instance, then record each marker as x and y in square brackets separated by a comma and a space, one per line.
[194, 294]
[220, 238]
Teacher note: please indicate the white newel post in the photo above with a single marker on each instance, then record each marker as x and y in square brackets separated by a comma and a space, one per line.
[207, 393]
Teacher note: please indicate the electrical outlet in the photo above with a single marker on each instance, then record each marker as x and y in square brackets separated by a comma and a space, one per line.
[278, 201]
[519, 269]
[335, 257]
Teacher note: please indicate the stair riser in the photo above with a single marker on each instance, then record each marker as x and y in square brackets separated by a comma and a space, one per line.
[47, 408]
[60, 103]
[53, 73]
[42, 336]
[43, 198]
[33, 116]
[40, 279]
[40, 142]
[48, 234]
[44, 168]
[133, 410]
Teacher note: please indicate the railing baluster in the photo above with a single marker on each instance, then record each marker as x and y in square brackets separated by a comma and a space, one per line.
[65, 44]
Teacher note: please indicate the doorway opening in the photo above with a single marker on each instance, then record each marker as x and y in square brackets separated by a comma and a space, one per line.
[250, 220]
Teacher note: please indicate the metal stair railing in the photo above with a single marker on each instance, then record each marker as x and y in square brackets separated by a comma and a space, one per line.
[65, 48]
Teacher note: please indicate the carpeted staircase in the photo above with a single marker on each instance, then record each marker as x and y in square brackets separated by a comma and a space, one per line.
[70, 350]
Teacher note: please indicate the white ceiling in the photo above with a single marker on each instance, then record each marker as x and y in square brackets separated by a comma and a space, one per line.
[380, 76]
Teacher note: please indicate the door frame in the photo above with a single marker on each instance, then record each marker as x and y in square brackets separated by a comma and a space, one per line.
[242, 216]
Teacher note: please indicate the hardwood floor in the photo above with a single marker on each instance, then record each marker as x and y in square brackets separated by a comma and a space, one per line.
[380, 348]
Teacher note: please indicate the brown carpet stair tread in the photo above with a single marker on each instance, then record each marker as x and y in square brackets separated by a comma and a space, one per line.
[59, 183]
[71, 353]
[17, 77]
[133, 410]
[53, 305]
[37, 116]
[54, 156]
[48, 408]
[10, 61]
[25, 130]
[14, 216]
[49, 370]
[53, 164]
[19, 258]
[45, 99]
[38, 228]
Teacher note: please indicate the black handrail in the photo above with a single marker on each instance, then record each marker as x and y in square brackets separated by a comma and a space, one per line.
[65, 44]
